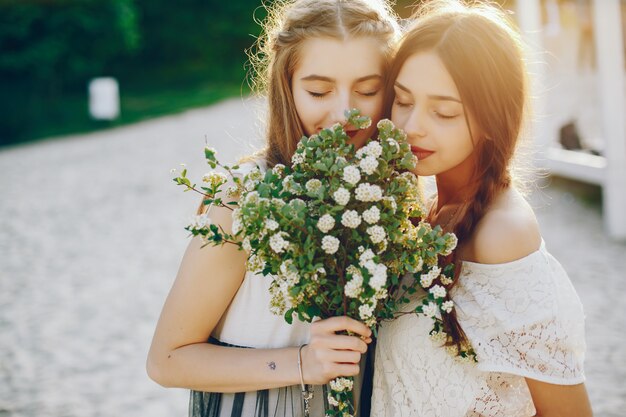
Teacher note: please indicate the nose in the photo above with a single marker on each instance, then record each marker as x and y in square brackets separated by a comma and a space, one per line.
[414, 126]
[341, 103]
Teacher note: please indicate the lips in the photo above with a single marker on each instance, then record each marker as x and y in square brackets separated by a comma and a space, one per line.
[421, 153]
[352, 133]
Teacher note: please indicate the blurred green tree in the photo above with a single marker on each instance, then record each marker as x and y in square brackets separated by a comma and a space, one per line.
[49, 47]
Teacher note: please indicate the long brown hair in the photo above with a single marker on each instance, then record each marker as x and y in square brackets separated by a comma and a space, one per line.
[288, 24]
[483, 53]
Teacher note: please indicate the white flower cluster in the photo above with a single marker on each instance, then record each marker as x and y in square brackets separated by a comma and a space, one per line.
[341, 196]
[326, 223]
[297, 158]
[351, 174]
[450, 244]
[214, 179]
[430, 309]
[376, 233]
[278, 243]
[366, 311]
[332, 401]
[341, 384]
[368, 165]
[200, 221]
[271, 224]
[255, 264]
[368, 192]
[371, 215]
[426, 280]
[351, 219]
[447, 306]
[330, 244]
[313, 185]
[354, 287]
[438, 291]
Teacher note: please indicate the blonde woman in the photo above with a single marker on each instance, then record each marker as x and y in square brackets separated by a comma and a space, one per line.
[216, 335]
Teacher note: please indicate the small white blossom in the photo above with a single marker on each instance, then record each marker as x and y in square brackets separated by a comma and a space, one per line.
[438, 291]
[445, 280]
[366, 311]
[251, 198]
[368, 165]
[377, 233]
[271, 224]
[233, 192]
[394, 144]
[374, 149]
[447, 306]
[342, 196]
[368, 192]
[313, 185]
[278, 169]
[365, 257]
[430, 310]
[237, 222]
[332, 401]
[379, 279]
[330, 244]
[341, 384]
[450, 244]
[278, 243]
[371, 215]
[200, 221]
[214, 178]
[426, 280]
[297, 158]
[245, 244]
[326, 223]
[354, 287]
[255, 264]
[351, 219]
[351, 174]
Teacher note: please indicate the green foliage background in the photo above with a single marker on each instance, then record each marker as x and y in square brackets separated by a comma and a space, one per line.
[167, 56]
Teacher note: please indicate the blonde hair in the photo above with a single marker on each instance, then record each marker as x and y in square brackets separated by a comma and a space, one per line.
[483, 54]
[275, 56]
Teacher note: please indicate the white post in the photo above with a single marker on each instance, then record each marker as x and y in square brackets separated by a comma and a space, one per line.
[529, 20]
[104, 98]
[610, 55]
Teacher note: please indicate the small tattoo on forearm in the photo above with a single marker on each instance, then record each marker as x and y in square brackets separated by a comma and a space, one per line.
[272, 365]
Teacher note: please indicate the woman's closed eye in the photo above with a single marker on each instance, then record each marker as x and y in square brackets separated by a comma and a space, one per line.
[317, 94]
[370, 93]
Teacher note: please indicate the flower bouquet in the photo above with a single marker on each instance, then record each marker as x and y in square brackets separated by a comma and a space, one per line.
[336, 231]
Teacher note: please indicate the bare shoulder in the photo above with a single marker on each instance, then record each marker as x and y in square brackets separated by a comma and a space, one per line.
[507, 232]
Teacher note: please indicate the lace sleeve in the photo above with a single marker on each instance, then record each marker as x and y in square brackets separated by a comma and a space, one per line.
[523, 318]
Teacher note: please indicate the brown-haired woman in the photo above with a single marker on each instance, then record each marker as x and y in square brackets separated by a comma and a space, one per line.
[459, 91]
[216, 334]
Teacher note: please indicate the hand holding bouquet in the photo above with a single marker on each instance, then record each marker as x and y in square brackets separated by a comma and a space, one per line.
[334, 231]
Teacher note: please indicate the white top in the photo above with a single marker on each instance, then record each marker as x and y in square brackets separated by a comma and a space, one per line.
[523, 318]
[248, 321]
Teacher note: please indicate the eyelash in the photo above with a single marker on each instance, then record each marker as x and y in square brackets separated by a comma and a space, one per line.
[321, 95]
[437, 114]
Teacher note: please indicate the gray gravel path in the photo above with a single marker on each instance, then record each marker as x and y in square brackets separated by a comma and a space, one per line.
[91, 234]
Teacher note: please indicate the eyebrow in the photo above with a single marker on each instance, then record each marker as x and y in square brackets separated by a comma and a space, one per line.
[430, 96]
[314, 77]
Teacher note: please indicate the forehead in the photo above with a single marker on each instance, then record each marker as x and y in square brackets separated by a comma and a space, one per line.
[349, 58]
[425, 73]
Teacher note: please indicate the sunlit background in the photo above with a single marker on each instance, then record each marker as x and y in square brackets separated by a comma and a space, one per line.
[100, 98]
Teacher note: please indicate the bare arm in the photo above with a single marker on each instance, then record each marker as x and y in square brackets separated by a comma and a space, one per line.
[559, 400]
[207, 281]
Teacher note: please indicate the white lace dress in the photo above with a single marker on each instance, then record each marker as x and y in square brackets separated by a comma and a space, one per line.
[523, 318]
